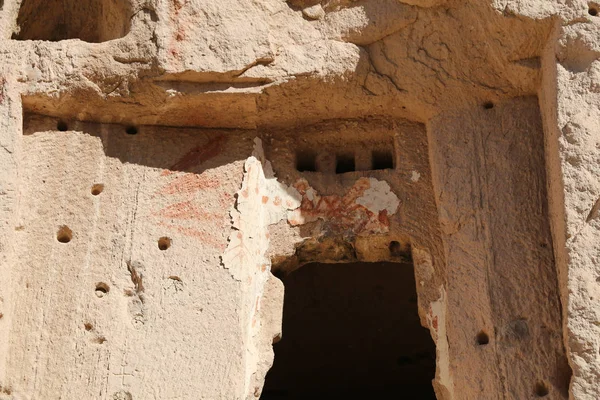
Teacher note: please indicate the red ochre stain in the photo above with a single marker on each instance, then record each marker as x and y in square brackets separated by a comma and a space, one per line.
[434, 323]
[383, 218]
[340, 213]
[277, 201]
[265, 199]
[187, 210]
[189, 183]
[200, 154]
[199, 235]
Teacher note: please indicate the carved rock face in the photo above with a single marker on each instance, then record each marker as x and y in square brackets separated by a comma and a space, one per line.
[158, 157]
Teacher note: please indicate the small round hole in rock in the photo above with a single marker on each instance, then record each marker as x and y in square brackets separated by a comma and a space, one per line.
[131, 130]
[97, 189]
[102, 289]
[488, 105]
[482, 338]
[99, 340]
[541, 390]
[64, 234]
[164, 243]
[62, 126]
[593, 9]
[88, 326]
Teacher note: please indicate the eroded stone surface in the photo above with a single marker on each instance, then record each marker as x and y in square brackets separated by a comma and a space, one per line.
[190, 116]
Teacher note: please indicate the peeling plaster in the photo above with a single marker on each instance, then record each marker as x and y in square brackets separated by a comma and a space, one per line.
[364, 209]
[437, 324]
[379, 197]
[415, 176]
[261, 201]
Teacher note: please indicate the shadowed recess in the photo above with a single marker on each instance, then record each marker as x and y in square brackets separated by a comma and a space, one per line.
[88, 20]
[352, 331]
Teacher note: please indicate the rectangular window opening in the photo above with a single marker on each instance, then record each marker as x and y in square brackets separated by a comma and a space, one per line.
[345, 163]
[352, 331]
[306, 161]
[382, 159]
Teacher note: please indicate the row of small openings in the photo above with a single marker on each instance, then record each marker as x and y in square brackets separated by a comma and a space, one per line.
[65, 235]
[88, 20]
[306, 161]
[63, 126]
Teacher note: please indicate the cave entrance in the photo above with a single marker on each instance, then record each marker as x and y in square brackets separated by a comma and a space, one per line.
[352, 331]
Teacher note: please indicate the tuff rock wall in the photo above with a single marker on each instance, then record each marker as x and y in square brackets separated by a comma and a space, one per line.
[161, 157]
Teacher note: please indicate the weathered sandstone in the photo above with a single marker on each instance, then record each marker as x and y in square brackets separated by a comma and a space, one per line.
[168, 165]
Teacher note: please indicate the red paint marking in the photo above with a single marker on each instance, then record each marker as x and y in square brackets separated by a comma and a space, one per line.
[200, 154]
[189, 183]
[265, 199]
[383, 218]
[188, 210]
[217, 242]
[340, 213]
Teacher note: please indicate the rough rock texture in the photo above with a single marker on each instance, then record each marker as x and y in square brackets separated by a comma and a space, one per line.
[160, 158]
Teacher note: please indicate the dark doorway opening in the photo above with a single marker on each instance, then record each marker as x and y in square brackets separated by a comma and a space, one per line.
[352, 331]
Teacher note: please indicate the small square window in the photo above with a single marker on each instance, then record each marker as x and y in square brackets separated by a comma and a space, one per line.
[344, 163]
[306, 161]
[381, 159]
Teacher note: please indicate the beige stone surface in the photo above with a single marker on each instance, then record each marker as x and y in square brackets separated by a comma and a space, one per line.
[150, 185]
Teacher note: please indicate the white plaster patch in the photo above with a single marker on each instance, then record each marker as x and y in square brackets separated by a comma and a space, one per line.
[415, 176]
[261, 201]
[437, 325]
[379, 197]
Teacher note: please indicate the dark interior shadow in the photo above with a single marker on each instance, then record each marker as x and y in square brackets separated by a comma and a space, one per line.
[352, 331]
